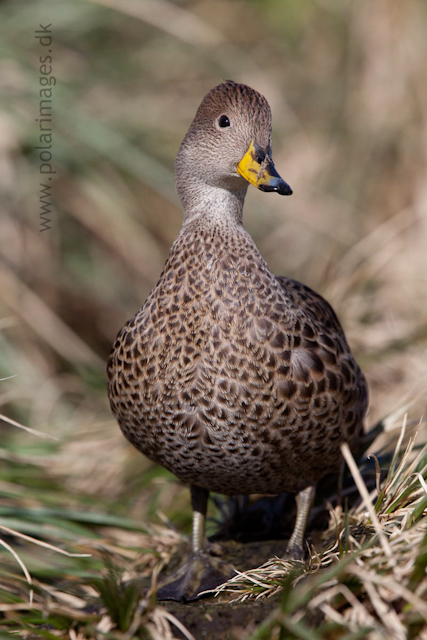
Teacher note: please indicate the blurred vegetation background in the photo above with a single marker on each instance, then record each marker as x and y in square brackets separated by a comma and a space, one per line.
[346, 83]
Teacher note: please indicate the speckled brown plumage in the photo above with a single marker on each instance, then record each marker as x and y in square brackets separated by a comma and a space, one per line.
[235, 380]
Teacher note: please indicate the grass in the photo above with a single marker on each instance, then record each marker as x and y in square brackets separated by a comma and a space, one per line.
[92, 570]
[47, 590]
[371, 585]
[347, 90]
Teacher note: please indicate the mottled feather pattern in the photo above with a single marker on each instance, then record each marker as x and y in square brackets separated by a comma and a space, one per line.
[235, 380]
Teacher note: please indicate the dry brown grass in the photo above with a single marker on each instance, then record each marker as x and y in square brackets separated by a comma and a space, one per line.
[372, 572]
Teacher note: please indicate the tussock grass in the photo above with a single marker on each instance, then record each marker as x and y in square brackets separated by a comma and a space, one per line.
[96, 589]
[367, 579]
[371, 579]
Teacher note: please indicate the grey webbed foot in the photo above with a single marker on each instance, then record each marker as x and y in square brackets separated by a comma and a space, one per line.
[201, 572]
[294, 552]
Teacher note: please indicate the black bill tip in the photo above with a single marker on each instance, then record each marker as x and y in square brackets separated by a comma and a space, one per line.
[278, 185]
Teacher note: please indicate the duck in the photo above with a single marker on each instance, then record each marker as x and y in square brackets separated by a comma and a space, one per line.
[235, 380]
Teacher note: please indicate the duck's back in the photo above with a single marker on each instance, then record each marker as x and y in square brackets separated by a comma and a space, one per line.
[233, 379]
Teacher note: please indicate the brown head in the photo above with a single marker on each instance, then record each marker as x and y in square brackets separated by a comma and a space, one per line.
[227, 146]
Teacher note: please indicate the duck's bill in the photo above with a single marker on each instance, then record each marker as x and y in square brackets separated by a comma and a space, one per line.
[257, 167]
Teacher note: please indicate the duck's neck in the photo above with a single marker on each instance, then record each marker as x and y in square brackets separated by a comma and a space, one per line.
[211, 204]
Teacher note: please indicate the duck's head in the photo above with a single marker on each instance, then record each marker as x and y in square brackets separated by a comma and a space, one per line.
[228, 144]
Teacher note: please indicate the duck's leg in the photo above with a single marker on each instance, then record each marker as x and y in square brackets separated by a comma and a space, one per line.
[199, 504]
[202, 571]
[304, 500]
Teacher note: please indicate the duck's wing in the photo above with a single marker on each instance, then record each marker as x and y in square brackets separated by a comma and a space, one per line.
[312, 305]
[329, 343]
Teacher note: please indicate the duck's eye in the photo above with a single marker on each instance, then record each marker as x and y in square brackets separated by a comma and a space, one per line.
[223, 121]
